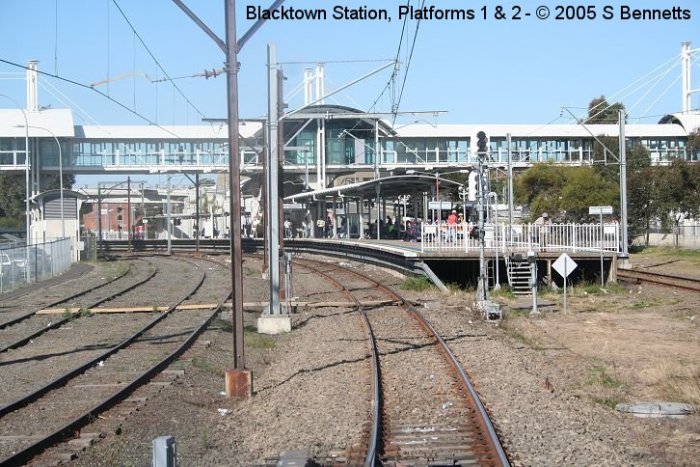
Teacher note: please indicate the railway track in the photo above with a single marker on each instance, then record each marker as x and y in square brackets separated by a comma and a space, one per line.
[668, 280]
[23, 329]
[17, 316]
[424, 409]
[44, 416]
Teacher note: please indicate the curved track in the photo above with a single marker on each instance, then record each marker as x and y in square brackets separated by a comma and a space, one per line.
[425, 410]
[103, 381]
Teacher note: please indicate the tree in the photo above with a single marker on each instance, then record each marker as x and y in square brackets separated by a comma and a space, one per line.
[12, 204]
[12, 196]
[564, 192]
[600, 112]
[539, 187]
[642, 191]
[694, 145]
[681, 193]
[586, 187]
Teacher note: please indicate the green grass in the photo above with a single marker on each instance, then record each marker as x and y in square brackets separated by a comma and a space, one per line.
[258, 341]
[416, 284]
[223, 325]
[250, 335]
[599, 376]
[504, 292]
[610, 402]
[651, 302]
[206, 367]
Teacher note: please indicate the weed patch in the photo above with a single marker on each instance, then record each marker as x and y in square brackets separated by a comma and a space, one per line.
[598, 376]
[610, 402]
[206, 367]
[223, 325]
[651, 302]
[417, 284]
[258, 341]
[504, 292]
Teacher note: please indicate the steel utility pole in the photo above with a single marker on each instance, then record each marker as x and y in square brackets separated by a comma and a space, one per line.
[509, 235]
[623, 186]
[128, 213]
[99, 217]
[196, 211]
[482, 194]
[239, 381]
[272, 208]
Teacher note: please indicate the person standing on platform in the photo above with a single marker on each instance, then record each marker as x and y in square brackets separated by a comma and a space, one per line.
[307, 224]
[452, 226]
[541, 227]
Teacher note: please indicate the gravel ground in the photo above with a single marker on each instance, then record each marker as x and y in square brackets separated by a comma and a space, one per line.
[311, 391]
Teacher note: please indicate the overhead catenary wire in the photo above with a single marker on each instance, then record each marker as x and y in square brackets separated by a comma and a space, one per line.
[396, 63]
[408, 65]
[86, 86]
[148, 50]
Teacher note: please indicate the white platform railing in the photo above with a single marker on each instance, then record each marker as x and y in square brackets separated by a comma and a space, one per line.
[521, 237]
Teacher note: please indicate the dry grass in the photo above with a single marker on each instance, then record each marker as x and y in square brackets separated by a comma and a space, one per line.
[674, 381]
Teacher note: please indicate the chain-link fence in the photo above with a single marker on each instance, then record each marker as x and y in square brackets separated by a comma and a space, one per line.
[686, 235]
[24, 265]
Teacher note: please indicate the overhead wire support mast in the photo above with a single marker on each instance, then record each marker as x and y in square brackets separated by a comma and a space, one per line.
[239, 381]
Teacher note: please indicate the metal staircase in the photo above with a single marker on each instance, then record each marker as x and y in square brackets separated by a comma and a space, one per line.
[519, 273]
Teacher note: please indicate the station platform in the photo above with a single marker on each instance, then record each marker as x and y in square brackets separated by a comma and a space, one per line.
[413, 250]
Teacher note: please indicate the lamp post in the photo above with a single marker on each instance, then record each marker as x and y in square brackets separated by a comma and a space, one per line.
[463, 193]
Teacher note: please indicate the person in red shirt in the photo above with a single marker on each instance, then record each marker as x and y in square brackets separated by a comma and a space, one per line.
[452, 226]
[452, 218]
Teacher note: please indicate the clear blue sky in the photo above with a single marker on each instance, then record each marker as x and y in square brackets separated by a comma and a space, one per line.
[485, 71]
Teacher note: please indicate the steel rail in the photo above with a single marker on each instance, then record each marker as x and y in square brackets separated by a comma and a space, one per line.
[71, 427]
[68, 319]
[58, 302]
[371, 456]
[669, 280]
[484, 420]
[63, 379]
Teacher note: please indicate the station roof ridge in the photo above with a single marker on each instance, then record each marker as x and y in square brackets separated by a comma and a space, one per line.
[41, 123]
[568, 130]
[247, 129]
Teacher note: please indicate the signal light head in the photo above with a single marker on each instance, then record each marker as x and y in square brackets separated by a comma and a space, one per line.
[481, 143]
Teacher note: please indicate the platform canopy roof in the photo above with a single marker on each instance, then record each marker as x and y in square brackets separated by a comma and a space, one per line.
[393, 186]
[56, 194]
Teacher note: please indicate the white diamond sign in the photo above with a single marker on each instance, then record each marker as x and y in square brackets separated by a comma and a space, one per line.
[564, 265]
